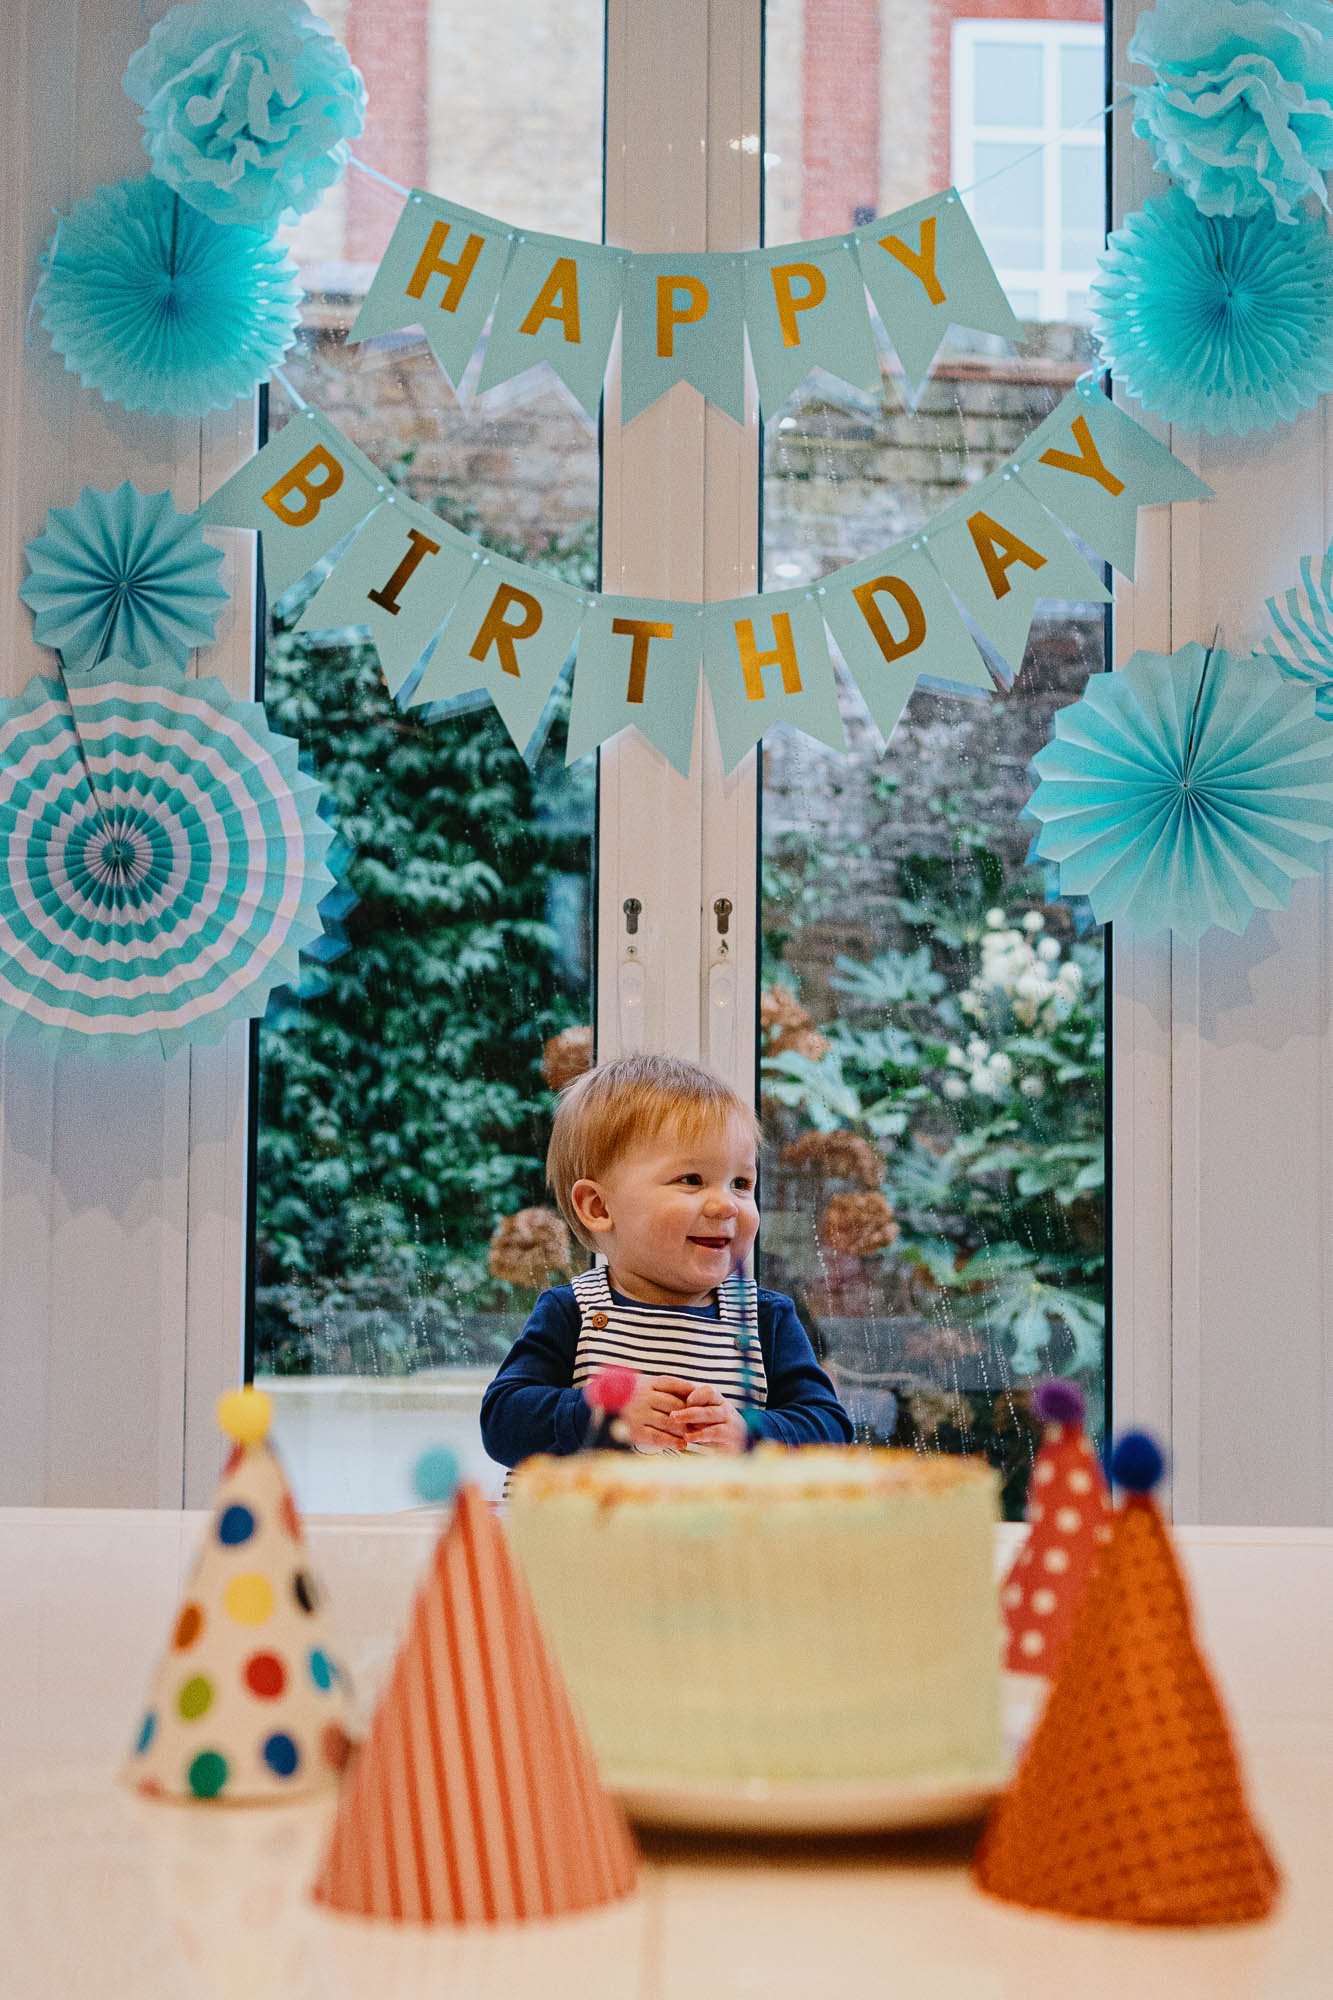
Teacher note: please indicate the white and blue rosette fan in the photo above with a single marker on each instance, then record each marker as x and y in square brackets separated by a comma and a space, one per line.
[163, 861]
[1185, 791]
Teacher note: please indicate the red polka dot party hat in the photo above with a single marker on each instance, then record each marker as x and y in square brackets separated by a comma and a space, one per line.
[250, 1701]
[475, 1798]
[1069, 1512]
[1128, 1804]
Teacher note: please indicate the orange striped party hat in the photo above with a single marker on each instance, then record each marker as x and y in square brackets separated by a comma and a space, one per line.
[475, 1798]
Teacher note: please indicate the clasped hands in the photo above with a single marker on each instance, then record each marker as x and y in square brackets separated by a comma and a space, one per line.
[668, 1413]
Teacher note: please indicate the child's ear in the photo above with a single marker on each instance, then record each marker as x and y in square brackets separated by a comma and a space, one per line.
[589, 1204]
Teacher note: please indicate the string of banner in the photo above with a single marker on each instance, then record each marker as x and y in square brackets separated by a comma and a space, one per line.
[452, 622]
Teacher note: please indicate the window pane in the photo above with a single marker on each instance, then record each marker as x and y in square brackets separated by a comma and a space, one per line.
[1008, 206]
[1082, 85]
[1007, 83]
[1082, 206]
[404, 1097]
[932, 1026]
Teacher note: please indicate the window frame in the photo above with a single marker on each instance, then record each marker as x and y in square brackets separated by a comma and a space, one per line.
[1053, 283]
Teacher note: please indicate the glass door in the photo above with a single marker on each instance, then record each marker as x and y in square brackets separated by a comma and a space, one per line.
[401, 1226]
[932, 1027]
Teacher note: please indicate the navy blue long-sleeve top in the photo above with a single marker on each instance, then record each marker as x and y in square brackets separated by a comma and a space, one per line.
[531, 1405]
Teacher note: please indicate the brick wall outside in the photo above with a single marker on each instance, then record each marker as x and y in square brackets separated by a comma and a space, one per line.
[391, 48]
[840, 106]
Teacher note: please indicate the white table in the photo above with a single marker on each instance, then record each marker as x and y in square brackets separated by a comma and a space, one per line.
[109, 1896]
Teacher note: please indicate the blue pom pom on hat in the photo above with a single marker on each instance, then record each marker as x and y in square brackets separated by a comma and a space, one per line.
[1137, 1463]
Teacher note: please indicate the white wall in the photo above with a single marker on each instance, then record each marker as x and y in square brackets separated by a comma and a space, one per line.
[120, 1255]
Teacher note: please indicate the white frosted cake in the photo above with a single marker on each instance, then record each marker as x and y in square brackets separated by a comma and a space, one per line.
[825, 1614]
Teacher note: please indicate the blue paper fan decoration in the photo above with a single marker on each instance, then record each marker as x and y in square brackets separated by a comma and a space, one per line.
[160, 309]
[122, 573]
[165, 861]
[1303, 647]
[1185, 791]
[1224, 323]
[1241, 112]
[248, 106]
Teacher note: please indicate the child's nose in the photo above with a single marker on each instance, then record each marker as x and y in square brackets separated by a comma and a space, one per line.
[721, 1201]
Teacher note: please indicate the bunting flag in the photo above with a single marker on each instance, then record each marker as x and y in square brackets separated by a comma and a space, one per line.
[895, 623]
[766, 661]
[686, 317]
[489, 628]
[1001, 553]
[805, 307]
[442, 271]
[510, 634]
[639, 661]
[306, 489]
[558, 304]
[1094, 467]
[398, 582]
[926, 271]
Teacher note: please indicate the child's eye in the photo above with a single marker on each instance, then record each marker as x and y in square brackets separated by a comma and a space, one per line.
[692, 1178]
[743, 1184]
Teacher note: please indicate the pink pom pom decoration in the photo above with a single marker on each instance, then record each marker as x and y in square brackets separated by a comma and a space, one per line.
[610, 1389]
[1058, 1402]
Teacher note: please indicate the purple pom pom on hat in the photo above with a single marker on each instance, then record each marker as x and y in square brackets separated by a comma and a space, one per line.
[1059, 1402]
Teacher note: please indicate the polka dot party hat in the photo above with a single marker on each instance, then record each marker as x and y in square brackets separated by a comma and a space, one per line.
[1129, 1805]
[475, 1798]
[249, 1702]
[1069, 1512]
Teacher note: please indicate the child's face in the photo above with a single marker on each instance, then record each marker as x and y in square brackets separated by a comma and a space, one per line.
[674, 1218]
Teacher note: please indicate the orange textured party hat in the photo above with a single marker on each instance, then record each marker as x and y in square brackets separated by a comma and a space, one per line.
[249, 1701]
[475, 1798]
[1069, 1515]
[1128, 1804]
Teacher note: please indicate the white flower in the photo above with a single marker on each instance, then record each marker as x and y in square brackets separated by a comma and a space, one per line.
[1001, 1066]
[1048, 949]
[1034, 921]
[984, 1083]
[977, 1050]
[971, 1003]
[995, 919]
[954, 1088]
[1032, 1086]
[954, 1055]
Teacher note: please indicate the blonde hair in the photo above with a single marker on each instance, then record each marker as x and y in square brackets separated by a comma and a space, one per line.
[618, 1103]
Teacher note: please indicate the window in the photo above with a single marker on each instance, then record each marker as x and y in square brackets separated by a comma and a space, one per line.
[1019, 86]
[404, 1092]
[932, 1028]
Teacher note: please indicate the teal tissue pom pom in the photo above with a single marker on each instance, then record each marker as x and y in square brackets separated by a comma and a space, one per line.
[436, 1476]
[1185, 791]
[248, 106]
[122, 573]
[1240, 113]
[1302, 645]
[1220, 323]
[159, 309]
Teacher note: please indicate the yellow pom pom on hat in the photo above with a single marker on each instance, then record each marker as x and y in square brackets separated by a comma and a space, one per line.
[246, 1415]
[250, 1701]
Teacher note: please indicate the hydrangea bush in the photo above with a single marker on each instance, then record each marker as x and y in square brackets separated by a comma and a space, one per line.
[973, 1061]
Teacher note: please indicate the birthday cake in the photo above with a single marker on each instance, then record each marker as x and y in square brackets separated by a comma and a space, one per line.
[824, 1614]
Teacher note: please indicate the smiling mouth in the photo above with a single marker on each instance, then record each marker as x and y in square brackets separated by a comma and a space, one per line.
[712, 1242]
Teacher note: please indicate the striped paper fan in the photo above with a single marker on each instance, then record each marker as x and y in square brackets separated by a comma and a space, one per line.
[475, 1798]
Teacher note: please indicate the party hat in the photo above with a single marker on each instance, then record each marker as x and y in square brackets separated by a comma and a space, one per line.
[1069, 1511]
[1129, 1804]
[475, 1798]
[249, 1702]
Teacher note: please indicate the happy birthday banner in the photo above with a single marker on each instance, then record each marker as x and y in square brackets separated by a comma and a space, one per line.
[484, 625]
[685, 318]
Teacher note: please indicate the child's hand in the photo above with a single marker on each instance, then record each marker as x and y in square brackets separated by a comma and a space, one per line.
[647, 1416]
[709, 1420]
